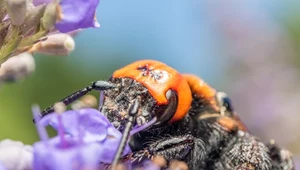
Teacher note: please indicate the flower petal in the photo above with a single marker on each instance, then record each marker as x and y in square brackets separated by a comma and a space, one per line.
[75, 156]
[94, 128]
[93, 122]
[109, 149]
[74, 18]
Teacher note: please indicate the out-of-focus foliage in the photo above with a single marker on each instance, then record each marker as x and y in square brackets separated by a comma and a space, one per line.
[54, 78]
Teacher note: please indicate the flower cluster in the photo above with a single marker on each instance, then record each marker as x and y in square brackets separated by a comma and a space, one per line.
[42, 26]
[85, 139]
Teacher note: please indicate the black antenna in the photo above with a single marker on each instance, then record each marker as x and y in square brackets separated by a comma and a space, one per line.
[132, 114]
[97, 85]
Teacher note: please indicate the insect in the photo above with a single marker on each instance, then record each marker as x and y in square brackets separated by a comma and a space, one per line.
[179, 116]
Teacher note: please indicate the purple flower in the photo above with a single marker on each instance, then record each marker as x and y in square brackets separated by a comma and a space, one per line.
[77, 14]
[74, 14]
[89, 126]
[63, 151]
[66, 153]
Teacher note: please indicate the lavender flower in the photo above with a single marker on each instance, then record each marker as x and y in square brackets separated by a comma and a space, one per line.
[96, 127]
[74, 18]
[64, 151]
[26, 23]
[71, 17]
[85, 138]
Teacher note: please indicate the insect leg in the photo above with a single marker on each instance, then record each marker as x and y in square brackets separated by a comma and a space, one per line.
[174, 147]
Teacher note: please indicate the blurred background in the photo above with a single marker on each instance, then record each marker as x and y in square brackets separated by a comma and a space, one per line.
[248, 49]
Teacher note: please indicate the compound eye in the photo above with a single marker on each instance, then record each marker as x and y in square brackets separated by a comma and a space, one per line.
[170, 110]
[228, 104]
[225, 103]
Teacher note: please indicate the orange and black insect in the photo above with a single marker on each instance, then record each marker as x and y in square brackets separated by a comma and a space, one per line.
[178, 116]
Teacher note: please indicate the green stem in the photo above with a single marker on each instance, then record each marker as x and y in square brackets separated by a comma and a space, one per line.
[11, 43]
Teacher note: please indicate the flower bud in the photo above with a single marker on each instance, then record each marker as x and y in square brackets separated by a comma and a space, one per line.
[14, 155]
[160, 161]
[17, 67]
[33, 18]
[59, 107]
[89, 101]
[16, 10]
[78, 104]
[178, 165]
[56, 44]
[2, 10]
[50, 15]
